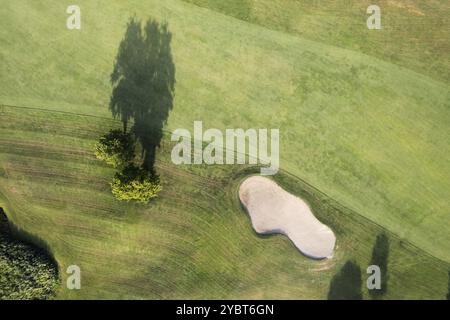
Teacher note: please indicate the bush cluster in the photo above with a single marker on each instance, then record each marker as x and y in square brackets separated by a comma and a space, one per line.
[130, 182]
[25, 271]
[134, 183]
[116, 148]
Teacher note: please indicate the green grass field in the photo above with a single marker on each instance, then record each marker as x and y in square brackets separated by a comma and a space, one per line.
[415, 33]
[365, 123]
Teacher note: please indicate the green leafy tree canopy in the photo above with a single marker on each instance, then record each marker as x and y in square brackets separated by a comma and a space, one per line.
[116, 148]
[134, 183]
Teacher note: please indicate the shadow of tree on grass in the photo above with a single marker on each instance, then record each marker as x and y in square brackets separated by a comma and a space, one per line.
[346, 284]
[143, 81]
[380, 255]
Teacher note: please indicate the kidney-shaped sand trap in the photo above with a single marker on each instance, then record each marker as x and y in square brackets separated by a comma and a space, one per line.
[274, 210]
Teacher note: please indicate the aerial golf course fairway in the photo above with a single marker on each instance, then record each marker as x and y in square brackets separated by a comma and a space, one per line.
[364, 123]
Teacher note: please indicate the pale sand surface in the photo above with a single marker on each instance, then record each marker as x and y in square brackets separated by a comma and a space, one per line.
[274, 210]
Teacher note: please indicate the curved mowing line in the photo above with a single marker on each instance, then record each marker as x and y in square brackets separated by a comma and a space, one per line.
[322, 43]
[57, 111]
[239, 177]
[339, 204]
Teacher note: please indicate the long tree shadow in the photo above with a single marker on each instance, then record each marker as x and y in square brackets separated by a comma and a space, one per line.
[380, 256]
[346, 284]
[143, 81]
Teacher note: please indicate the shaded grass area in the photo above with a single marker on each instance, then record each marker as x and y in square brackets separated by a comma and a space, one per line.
[194, 240]
[26, 272]
[380, 258]
[347, 283]
[143, 80]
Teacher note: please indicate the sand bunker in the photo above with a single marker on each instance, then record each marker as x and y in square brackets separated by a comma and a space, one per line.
[274, 210]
